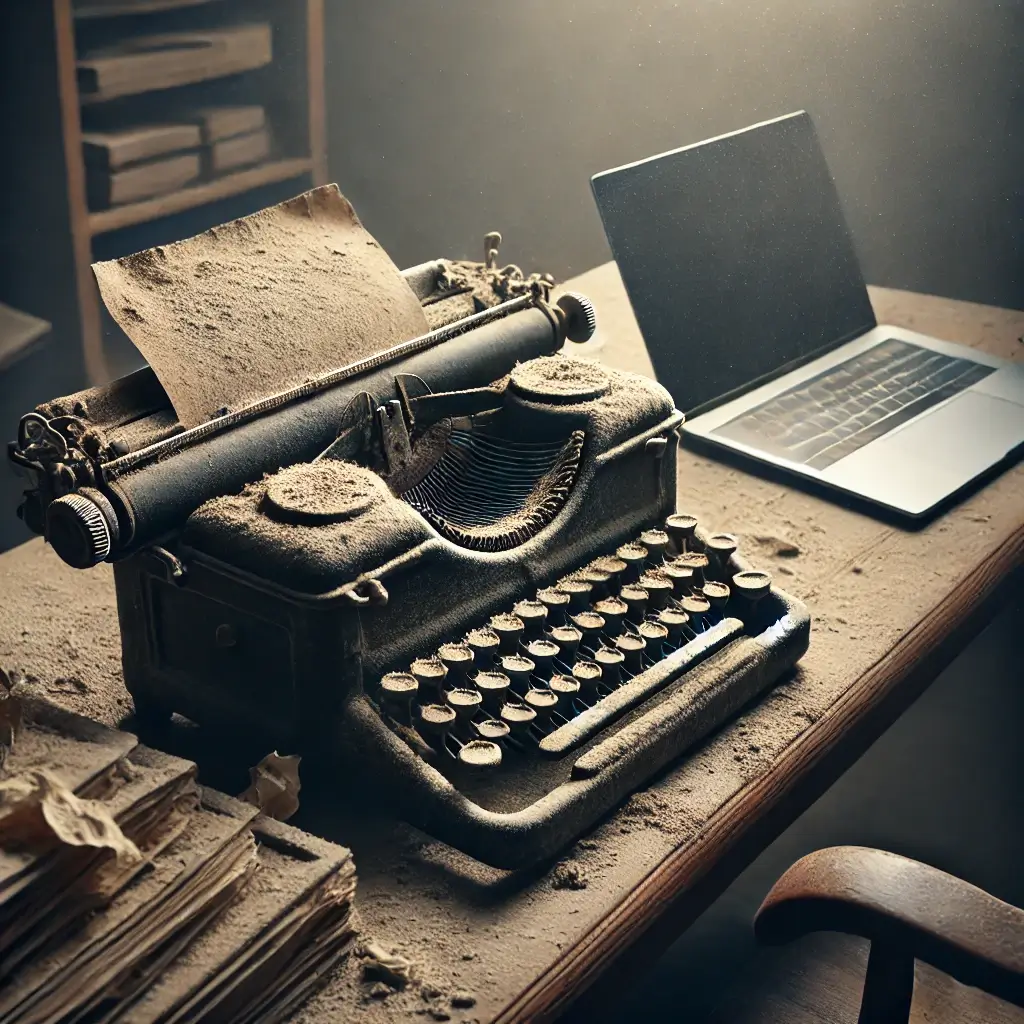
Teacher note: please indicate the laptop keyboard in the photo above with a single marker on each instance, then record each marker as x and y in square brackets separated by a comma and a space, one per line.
[824, 419]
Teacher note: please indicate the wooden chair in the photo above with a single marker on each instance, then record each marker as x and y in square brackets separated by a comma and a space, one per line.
[909, 913]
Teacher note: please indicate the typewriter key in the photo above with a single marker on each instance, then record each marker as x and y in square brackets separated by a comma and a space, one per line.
[518, 717]
[578, 591]
[429, 673]
[588, 675]
[635, 598]
[484, 643]
[543, 703]
[480, 754]
[673, 619]
[435, 721]
[721, 547]
[697, 607]
[557, 603]
[568, 639]
[533, 615]
[599, 580]
[397, 692]
[614, 566]
[518, 669]
[752, 587]
[610, 660]
[464, 702]
[591, 625]
[659, 589]
[493, 687]
[613, 610]
[542, 653]
[634, 555]
[492, 729]
[698, 562]
[656, 542]
[681, 529]
[655, 634]
[752, 584]
[510, 631]
[566, 689]
[717, 595]
[632, 646]
[680, 577]
[458, 660]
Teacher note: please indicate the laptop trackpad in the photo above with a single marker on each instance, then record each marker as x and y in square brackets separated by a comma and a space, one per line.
[916, 467]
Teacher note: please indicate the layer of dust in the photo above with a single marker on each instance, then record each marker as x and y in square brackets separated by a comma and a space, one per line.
[58, 627]
[280, 881]
[561, 376]
[260, 304]
[207, 833]
[324, 490]
[490, 933]
[52, 741]
[311, 553]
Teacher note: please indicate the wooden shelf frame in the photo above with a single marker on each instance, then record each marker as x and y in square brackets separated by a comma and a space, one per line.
[117, 217]
[84, 225]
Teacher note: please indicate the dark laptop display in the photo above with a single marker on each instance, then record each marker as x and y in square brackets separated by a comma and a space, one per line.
[737, 261]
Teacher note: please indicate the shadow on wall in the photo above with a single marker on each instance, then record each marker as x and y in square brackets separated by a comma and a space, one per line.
[446, 121]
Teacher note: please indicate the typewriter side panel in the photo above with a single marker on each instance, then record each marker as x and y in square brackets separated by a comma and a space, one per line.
[224, 653]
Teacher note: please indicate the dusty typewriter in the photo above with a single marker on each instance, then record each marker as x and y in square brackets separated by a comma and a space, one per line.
[456, 567]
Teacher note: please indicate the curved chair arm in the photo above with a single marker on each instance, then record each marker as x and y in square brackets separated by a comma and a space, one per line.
[908, 910]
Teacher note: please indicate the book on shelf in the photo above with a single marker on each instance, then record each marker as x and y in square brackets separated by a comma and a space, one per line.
[140, 64]
[223, 122]
[141, 181]
[111, 150]
[238, 151]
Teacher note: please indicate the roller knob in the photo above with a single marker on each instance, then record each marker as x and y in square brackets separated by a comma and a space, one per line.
[78, 530]
[580, 317]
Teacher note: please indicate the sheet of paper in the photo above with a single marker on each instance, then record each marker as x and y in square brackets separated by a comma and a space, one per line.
[260, 304]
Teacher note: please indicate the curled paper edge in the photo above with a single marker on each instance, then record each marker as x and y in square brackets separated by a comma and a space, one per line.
[274, 786]
[35, 806]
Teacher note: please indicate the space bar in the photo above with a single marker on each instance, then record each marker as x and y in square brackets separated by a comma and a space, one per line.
[607, 710]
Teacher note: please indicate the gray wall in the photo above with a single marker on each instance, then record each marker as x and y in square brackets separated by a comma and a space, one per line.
[446, 119]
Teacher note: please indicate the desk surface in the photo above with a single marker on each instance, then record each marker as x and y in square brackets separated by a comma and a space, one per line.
[889, 608]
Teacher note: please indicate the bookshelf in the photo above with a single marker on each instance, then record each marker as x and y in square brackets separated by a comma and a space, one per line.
[43, 45]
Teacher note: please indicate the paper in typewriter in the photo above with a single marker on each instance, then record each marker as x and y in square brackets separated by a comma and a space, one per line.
[260, 304]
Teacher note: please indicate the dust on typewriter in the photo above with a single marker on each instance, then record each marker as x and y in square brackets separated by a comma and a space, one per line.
[454, 567]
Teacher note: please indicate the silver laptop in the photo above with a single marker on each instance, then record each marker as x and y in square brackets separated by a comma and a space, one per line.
[744, 281]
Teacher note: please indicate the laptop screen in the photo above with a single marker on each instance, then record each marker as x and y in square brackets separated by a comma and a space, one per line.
[736, 257]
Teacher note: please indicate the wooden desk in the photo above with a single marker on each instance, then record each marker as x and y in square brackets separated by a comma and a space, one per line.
[890, 608]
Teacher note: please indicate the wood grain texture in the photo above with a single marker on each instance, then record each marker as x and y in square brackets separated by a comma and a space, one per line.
[819, 980]
[906, 909]
[315, 79]
[71, 126]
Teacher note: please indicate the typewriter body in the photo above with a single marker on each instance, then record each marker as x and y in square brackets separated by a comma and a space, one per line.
[456, 567]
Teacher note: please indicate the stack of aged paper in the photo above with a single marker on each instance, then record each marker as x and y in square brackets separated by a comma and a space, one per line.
[130, 893]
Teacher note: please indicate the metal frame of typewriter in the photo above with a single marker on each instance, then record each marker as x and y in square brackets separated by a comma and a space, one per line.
[227, 646]
[305, 689]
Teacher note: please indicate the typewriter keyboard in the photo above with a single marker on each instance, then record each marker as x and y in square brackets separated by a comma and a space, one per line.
[550, 673]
